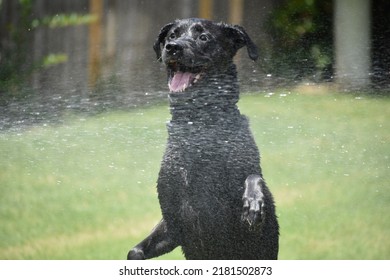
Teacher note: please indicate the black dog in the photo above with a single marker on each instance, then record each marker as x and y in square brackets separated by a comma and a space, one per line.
[214, 201]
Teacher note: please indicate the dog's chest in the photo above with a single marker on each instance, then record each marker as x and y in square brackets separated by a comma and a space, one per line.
[195, 169]
[197, 144]
[197, 156]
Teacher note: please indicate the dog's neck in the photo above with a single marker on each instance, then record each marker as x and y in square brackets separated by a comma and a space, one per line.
[212, 100]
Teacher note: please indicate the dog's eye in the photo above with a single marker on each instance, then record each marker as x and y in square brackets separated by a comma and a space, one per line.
[172, 36]
[203, 37]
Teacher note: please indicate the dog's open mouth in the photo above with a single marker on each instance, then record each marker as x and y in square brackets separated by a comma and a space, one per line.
[181, 77]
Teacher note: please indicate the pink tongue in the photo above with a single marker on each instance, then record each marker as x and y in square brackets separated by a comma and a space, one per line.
[181, 81]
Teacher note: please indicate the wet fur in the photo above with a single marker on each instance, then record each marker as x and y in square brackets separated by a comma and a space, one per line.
[214, 200]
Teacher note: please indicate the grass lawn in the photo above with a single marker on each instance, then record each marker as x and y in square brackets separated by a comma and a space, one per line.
[86, 189]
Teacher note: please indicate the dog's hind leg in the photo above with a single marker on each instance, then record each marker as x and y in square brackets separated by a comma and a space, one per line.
[253, 200]
[156, 244]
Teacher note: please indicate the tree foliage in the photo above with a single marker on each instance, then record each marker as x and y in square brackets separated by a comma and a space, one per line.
[302, 39]
[16, 66]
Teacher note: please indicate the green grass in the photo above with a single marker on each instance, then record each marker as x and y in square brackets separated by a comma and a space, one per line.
[86, 189]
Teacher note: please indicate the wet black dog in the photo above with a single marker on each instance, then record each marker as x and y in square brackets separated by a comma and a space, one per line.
[214, 201]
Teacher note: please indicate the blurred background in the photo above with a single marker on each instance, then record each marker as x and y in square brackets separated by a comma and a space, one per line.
[76, 54]
[83, 106]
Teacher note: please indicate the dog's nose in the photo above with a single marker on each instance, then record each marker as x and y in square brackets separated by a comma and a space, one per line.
[173, 48]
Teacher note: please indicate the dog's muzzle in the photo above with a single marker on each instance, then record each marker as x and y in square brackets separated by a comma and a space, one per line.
[182, 72]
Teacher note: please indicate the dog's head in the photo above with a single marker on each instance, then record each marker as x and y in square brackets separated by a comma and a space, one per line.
[191, 48]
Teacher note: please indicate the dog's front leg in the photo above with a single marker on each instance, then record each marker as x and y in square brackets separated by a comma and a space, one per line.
[156, 244]
[253, 201]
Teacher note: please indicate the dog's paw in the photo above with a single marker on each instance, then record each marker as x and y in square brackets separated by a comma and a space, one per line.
[135, 254]
[253, 201]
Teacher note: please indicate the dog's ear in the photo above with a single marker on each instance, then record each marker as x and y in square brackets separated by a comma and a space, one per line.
[240, 39]
[161, 38]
